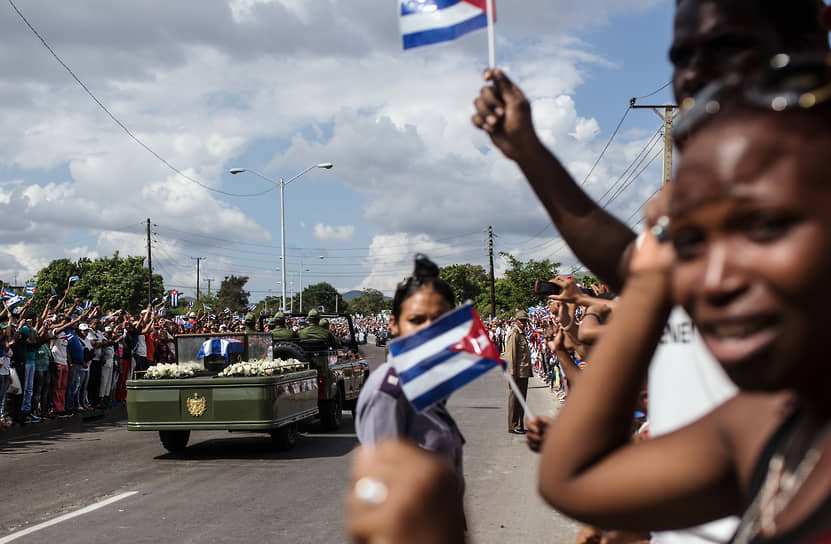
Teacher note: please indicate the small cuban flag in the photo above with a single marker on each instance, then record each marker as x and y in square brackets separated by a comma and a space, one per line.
[13, 301]
[73, 279]
[251, 307]
[190, 304]
[7, 294]
[220, 346]
[453, 351]
[30, 289]
[174, 298]
[424, 22]
[207, 308]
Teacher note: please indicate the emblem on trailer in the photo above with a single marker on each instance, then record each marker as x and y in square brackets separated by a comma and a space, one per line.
[197, 405]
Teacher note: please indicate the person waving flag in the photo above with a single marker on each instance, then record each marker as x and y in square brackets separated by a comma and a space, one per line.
[424, 22]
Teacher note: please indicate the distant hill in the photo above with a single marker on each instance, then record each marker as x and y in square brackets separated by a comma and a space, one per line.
[349, 295]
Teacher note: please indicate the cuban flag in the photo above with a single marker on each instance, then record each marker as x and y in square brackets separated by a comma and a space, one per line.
[174, 298]
[207, 308]
[226, 310]
[251, 307]
[13, 300]
[423, 22]
[190, 304]
[73, 279]
[444, 357]
[30, 289]
[7, 294]
[212, 316]
[220, 346]
[87, 305]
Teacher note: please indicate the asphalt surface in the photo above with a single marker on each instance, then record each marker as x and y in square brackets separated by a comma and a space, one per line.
[233, 487]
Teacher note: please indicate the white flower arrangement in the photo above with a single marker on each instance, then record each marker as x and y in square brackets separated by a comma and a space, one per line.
[163, 371]
[262, 368]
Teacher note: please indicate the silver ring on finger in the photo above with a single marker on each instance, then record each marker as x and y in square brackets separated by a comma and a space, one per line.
[371, 491]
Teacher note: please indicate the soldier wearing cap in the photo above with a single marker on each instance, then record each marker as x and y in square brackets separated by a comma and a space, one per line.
[278, 328]
[315, 332]
[250, 321]
[518, 356]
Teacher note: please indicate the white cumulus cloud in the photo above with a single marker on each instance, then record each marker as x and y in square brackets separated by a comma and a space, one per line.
[331, 233]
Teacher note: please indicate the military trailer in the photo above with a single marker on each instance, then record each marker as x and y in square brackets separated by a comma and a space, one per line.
[218, 385]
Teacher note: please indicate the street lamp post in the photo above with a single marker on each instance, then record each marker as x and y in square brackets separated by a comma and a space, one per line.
[282, 184]
[301, 284]
[301, 281]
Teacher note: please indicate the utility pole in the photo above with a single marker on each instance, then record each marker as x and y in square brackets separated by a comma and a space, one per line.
[490, 272]
[197, 259]
[209, 280]
[667, 116]
[149, 266]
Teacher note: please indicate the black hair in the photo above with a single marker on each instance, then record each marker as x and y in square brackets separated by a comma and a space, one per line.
[425, 274]
[797, 23]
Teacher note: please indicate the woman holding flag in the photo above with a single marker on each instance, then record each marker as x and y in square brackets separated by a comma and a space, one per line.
[383, 411]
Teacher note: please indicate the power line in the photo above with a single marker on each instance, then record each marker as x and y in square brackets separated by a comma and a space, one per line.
[118, 122]
[656, 91]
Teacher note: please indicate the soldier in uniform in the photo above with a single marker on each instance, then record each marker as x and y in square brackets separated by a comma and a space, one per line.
[278, 328]
[250, 322]
[383, 412]
[315, 332]
[518, 357]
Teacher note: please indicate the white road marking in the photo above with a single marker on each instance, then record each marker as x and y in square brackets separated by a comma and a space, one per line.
[70, 515]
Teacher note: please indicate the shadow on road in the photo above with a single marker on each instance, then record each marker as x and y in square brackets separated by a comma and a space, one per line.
[47, 435]
[313, 442]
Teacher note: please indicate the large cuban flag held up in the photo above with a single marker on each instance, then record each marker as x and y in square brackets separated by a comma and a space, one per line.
[450, 353]
[424, 22]
[220, 346]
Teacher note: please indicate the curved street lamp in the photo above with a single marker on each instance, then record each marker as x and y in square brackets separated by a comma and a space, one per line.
[282, 184]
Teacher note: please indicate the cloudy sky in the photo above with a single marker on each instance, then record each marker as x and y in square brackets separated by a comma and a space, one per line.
[193, 88]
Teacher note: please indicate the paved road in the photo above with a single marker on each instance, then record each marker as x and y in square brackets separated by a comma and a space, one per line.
[235, 488]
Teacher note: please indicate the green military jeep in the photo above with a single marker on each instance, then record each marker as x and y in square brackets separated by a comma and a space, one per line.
[341, 372]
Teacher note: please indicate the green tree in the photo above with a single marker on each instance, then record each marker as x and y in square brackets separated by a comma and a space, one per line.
[369, 302]
[111, 282]
[516, 288]
[467, 280]
[320, 294]
[232, 294]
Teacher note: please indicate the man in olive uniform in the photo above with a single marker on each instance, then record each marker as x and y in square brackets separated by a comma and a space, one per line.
[315, 332]
[518, 357]
[278, 328]
[250, 321]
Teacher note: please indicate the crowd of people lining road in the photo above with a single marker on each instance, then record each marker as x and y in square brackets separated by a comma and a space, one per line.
[66, 360]
[715, 323]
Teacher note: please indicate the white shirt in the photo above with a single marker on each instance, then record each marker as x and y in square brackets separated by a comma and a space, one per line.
[57, 344]
[141, 346]
[685, 383]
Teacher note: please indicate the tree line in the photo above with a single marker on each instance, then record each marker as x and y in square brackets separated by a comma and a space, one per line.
[121, 283]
